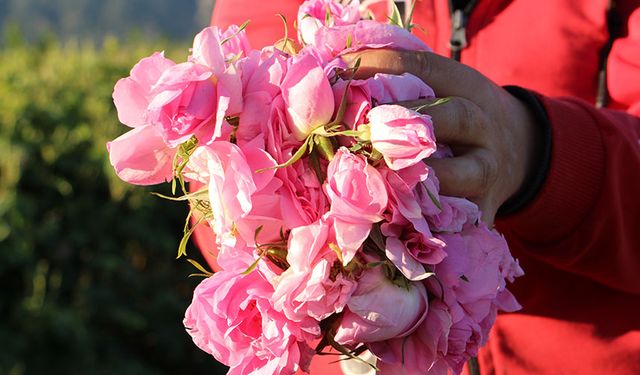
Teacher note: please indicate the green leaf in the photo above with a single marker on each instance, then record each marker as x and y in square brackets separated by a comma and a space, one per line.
[434, 199]
[200, 268]
[407, 21]
[200, 194]
[286, 31]
[336, 250]
[396, 17]
[182, 247]
[304, 148]
[436, 102]
[253, 265]
[242, 27]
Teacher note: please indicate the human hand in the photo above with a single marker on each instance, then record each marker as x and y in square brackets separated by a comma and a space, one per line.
[492, 134]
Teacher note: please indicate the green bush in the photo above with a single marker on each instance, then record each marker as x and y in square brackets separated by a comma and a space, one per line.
[87, 269]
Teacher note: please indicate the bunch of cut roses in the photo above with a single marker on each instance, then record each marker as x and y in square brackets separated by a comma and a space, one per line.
[330, 230]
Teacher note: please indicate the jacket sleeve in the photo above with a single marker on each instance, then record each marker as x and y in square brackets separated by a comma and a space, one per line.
[586, 216]
[265, 27]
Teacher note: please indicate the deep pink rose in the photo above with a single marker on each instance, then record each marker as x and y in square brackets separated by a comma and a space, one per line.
[310, 287]
[358, 198]
[231, 318]
[381, 310]
[404, 137]
[307, 95]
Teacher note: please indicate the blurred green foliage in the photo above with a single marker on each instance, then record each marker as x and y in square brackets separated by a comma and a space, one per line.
[89, 283]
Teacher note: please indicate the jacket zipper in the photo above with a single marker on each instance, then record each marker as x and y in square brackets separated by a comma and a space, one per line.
[459, 11]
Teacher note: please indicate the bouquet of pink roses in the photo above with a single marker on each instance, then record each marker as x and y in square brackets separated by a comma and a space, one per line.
[330, 230]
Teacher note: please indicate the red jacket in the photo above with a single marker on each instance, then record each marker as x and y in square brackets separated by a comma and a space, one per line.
[579, 238]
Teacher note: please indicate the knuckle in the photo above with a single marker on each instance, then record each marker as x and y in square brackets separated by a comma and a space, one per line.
[466, 114]
[488, 171]
[423, 66]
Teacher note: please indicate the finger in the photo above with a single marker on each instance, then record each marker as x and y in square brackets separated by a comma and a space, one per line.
[470, 175]
[456, 120]
[446, 76]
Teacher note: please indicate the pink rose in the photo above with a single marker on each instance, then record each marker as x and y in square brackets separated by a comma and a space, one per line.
[241, 199]
[365, 34]
[455, 213]
[307, 95]
[358, 198]
[390, 88]
[182, 102]
[140, 156]
[302, 199]
[404, 137]
[310, 287]
[381, 310]
[421, 352]
[231, 318]
[237, 44]
[358, 101]
[192, 98]
[314, 14]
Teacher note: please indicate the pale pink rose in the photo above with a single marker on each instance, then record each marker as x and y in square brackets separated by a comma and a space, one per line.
[381, 310]
[420, 353]
[231, 318]
[390, 88]
[307, 95]
[132, 94]
[183, 102]
[261, 74]
[302, 199]
[365, 34]
[141, 157]
[237, 43]
[310, 287]
[404, 137]
[207, 51]
[241, 198]
[192, 98]
[358, 101]
[358, 198]
[314, 14]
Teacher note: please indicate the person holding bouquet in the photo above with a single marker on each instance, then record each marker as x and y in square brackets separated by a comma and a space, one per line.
[543, 99]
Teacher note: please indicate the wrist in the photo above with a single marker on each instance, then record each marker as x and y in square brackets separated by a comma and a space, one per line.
[534, 132]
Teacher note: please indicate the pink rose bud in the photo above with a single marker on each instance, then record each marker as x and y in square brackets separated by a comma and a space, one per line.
[358, 198]
[381, 310]
[404, 137]
[307, 95]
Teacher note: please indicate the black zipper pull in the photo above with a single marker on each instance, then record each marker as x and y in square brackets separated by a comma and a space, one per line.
[458, 39]
[460, 11]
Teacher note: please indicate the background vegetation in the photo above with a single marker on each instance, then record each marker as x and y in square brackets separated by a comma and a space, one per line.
[88, 280]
